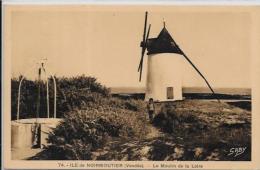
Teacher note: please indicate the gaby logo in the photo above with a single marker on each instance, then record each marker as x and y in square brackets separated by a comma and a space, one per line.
[236, 151]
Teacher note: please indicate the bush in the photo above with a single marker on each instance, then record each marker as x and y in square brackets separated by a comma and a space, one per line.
[27, 100]
[91, 116]
[72, 93]
[129, 104]
[84, 131]
[170, 120]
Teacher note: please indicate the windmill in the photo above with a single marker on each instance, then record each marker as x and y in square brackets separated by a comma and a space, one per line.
[165, 64]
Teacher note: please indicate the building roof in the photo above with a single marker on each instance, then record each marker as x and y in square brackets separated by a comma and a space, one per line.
[164, 43]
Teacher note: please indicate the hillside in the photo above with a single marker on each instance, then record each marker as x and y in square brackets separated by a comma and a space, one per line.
[185, 130]
[98, 126]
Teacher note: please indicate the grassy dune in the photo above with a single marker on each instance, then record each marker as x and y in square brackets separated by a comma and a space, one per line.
[208, 127]
[184, 130]
[98, 126]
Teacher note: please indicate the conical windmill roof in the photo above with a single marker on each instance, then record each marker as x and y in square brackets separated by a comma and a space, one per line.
[164, 43]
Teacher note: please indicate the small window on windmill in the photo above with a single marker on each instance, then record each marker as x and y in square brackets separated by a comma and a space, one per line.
[169, 92]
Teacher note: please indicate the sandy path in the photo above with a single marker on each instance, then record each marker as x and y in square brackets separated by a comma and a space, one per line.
[154, 133]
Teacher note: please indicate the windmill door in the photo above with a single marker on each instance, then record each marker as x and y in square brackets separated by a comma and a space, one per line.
[169, 92]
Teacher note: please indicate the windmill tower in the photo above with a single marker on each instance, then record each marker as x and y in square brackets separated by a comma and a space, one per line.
[165, 66]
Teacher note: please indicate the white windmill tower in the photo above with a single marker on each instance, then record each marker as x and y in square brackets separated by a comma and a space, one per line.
[165, 66]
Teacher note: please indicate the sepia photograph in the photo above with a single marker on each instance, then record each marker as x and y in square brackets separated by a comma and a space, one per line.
[129, 83]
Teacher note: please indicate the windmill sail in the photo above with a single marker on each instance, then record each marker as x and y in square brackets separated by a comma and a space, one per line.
[144, 46]
[180, 51]
[211, 89]
[142, 58]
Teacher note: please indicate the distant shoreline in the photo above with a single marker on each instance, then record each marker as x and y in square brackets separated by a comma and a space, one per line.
[187, 90]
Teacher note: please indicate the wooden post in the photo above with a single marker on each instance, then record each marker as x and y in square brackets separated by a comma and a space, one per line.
[47, 91]
[48, 105]
[39, 94]
[55, 95]
[18, 100]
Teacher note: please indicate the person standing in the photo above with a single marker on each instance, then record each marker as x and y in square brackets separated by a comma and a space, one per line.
[151, 109]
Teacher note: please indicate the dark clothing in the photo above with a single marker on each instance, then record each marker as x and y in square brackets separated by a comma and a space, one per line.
[151, 112]
[151, 109]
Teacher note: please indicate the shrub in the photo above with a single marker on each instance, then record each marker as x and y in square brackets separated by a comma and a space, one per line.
[27, 98]
[72, 93]
[91, 116]
[129, 104]
[170, 120]
[84, 131]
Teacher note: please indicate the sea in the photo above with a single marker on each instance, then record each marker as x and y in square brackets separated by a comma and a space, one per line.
[200, 90]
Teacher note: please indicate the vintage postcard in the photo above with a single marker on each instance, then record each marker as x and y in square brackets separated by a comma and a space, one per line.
[135, 86]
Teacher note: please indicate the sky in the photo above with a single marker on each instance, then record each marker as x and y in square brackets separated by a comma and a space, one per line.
[105, 42]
